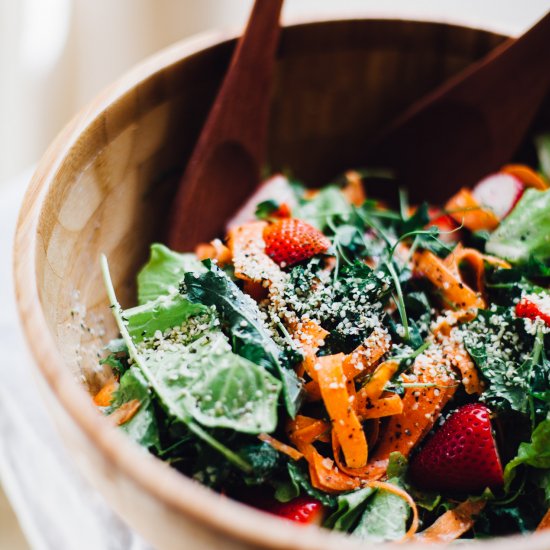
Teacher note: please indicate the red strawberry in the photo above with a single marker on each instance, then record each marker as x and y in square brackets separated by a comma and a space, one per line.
[533, 307]
[499, 192]
[301, 509]
[289, 241]
[461, 455]
[446, 225]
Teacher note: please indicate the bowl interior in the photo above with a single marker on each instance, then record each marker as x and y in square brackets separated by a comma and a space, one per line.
[337, 84]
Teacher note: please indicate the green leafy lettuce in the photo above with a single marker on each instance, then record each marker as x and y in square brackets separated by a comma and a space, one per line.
[524, 233]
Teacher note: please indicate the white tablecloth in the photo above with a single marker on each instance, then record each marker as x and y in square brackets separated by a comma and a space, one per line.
[57, 508]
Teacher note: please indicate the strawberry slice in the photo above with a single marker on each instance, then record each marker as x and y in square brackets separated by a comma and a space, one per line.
[289, 241]
[446, 225]
[302, 510]
[461, 456]
[534, 307]
[499, 192]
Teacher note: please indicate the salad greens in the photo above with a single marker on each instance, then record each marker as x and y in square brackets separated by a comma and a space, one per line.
[225, 382]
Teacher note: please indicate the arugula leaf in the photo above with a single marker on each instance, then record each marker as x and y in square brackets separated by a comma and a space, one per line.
[327, 203]
[115, 362]
[536, 453]
[167, 311]
[241, 319]
[350, 507]
[417, 221]
[142, 427]
[163, 272]
[266, 208]
[166, 398]
[384, 519]
[523, 233]
[264, 459]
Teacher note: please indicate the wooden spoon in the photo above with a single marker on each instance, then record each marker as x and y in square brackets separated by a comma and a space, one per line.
[224, 168]
[472, 124]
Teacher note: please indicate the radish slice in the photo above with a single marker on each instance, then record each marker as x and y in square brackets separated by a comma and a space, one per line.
[275, 188]
[499, 192]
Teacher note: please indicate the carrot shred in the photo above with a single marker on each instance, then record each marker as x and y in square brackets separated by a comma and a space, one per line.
[104, 396]
[451, 287]
[281, 447]
[362, 359]
[526, 175]
[373, 389]
[422, 406]
[309, 335]
[247, 246]
[452, 524]
[214, 250]
[465, 210]
[544, 522]
[460, 359]
[125, 412]
[385, 406]
[354, 190]
[330, 377]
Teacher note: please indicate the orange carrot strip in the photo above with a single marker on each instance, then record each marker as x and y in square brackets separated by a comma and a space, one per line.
[325, 475]
[214, 250]
[344, 420]
[104, 396]
[304, 430]
[309, 335]
[354, 190]
[465, 210]
[526, 175]
[373, 389]
[247, 246]
[451, 287]
[545, 522]
[125, 412]
[281, 447]
[421, 408]
[385, 406]
[361, 360]
[462, 362]
[453, 523]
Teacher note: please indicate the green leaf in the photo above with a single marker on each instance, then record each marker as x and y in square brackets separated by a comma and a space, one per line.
[163, 272]
[350, 507]
[543, 149]
[327, 203]
[241, 319]
[142, 427]
[167, 311]
[536, 453]
[384, 519]
[524, 232]
[166, 398]
[266, 208]
[300, 477]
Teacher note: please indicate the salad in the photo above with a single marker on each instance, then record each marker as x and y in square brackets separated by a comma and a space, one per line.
[380, 371]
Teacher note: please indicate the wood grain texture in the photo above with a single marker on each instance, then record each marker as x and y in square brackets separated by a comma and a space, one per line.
[105, 185]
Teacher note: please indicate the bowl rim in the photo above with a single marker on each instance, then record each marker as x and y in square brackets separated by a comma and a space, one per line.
[178, 492]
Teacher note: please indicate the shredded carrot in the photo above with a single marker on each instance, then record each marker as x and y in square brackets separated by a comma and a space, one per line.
[309, 335]
[422, 406]
[545, 522]
[303, 430]
[247, 246]
[105, 395]
[281, 447]
[330, 377]
[375, 386]
[354, 190]
[452, 524]
[442, 328]
[451, 287]
[385, 406]
[125, 412]
[461, 360]
[214, 250]
[363, 358]
[526, 175]
[465, 210]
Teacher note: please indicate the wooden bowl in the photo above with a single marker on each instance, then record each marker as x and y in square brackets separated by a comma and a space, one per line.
[105, 186]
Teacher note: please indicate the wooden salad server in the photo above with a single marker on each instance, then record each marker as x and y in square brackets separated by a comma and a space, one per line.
[229, 153]
[473, 123]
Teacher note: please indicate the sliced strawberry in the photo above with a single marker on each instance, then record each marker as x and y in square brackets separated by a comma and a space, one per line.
[499, 192]
[449, 232]
[302, 510]
[534, 307]
[289, 241]
[461, 456]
